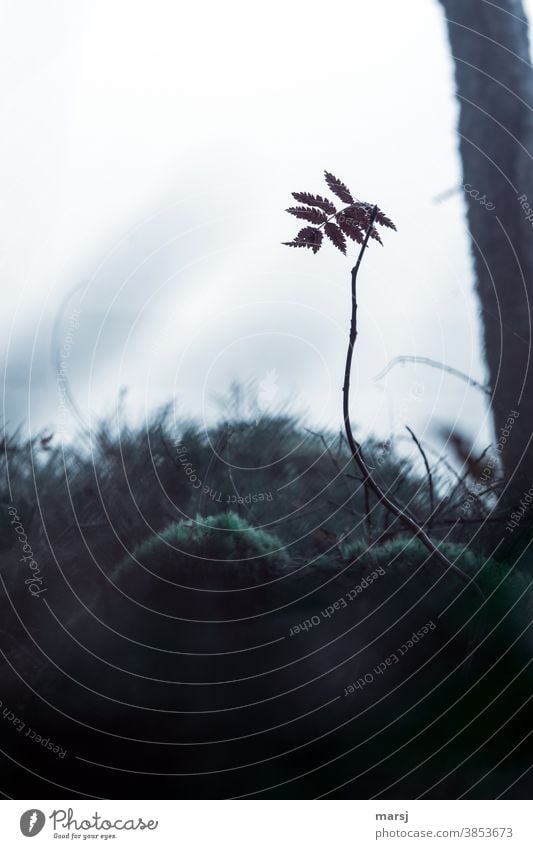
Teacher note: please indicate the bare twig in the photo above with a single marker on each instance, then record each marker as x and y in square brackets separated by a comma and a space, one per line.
[446, 194]
[355, 447]
[461, 481]
[430, 479]
[477, 496]
[426, 361]
[476, 465]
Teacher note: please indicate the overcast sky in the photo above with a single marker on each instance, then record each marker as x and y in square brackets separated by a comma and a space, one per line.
[148, 150]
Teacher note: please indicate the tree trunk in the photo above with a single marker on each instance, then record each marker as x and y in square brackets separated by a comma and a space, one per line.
[494, 80]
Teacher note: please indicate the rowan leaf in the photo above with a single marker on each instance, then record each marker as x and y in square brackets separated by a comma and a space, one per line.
[308, 237]
[338, 188]
[350, 227]
[381, 218]
[315, 216]
[315, 200]
[362, 213]
[335, 234]
[352, 222]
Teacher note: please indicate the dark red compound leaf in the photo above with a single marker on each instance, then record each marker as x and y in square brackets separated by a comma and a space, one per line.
[362, 213]
[381, 218]
[369, 207]
[350, 227]
[315, 200]
[335, 234]
[315, 216]
[338, 188]
[352, 222]
[308, 237]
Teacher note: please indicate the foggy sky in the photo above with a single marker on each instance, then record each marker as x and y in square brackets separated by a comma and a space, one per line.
[148, 152]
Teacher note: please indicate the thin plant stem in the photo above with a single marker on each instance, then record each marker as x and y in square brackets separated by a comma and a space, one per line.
[356, 449]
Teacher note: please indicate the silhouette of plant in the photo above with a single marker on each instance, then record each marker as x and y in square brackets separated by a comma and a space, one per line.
[353, 220]
[356, 220]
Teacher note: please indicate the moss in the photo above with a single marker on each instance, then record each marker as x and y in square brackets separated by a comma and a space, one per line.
[403, 554]
[211, 544]
[508, 599]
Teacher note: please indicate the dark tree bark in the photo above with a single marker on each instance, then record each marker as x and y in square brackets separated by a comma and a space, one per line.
[494, 79]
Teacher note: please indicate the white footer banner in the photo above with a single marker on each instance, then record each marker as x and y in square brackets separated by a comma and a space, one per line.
[267, 824]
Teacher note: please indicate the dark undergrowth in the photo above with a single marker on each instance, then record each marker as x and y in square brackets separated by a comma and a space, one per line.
[228, 612]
